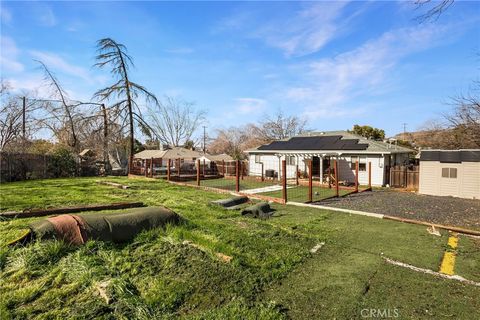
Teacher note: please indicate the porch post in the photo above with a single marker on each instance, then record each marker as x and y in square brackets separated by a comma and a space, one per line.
[284, 181]
[178, 168]
[370, 175]
[335, 164]
[356, 176]
[321, 170]
[310, 180]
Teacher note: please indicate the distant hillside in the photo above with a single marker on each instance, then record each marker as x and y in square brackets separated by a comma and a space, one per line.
[437, 139]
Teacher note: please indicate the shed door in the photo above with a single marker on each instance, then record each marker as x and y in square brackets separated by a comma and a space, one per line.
[450, 179]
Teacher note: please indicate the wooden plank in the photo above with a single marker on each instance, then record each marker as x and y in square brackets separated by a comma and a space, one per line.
[62, 210]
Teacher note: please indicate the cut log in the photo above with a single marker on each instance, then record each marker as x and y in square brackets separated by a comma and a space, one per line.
[50, 211]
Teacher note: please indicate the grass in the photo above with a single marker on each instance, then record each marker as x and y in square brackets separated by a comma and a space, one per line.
[300, 193]
[272, 274]
[229, 184]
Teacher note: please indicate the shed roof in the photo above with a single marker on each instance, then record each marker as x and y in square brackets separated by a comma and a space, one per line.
[451, 156]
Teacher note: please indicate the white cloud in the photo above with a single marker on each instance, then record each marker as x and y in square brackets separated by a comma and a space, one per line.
[330, 86]
[250, 105]
[46, 17]
[307, 31]
[9, 55]
[54, 61]
[302, 32]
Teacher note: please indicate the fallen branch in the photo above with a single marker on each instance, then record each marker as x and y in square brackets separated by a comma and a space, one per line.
[434, 273]
[439, 226]
[51, 211]
[113, 184]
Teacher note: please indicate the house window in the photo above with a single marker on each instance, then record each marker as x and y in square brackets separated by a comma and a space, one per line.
[362, 163]
[449, 173]
[290, 160]
[258, 158]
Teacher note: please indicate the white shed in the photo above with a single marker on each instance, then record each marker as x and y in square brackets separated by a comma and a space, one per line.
[450, 173]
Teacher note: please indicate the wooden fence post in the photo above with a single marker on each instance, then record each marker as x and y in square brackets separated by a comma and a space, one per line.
[178, 168]
[168, 169]
[335, 165]
[237, 175]
[151, 168]
[310, 180]
[296, 175]
[263, 173]
[198, 172]
[284, 181]
[370, 175]
[223, 168]
[146, 167]
[242, 167]
[356, 176]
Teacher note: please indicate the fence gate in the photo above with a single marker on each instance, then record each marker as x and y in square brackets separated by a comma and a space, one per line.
[404, 177]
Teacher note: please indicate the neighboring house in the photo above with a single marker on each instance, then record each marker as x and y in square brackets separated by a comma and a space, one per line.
[450, 173]
[323, 148]
[161, 157]
[218, 158]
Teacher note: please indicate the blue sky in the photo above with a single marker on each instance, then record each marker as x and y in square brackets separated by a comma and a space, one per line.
[334, 63]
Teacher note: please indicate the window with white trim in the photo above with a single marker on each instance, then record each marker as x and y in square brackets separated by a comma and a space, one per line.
[449, 173]
[258, 158]
[290, 160]
[362, 163]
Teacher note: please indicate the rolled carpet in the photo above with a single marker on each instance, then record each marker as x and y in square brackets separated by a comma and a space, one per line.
[77, 229]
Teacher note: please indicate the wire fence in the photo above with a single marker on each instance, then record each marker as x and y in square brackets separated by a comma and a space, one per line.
[278, 179]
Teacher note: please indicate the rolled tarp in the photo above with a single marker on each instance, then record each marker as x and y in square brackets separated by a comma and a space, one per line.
[259, 210]
[231, 202]
[77, 229]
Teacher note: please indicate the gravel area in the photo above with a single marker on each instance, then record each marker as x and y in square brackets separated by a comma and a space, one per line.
[443, 210]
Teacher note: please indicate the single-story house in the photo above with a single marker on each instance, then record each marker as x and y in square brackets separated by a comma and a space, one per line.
[324, 147]
[450, 173]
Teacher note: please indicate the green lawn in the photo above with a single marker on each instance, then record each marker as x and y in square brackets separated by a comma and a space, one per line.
[300, 193]
[229, 184]
[272, 274]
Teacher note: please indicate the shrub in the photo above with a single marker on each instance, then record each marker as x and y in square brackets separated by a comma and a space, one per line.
[62, 163]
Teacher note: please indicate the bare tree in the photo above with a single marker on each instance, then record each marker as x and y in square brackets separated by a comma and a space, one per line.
[465, 118]
[434, 9]
[113, 54]
[235, 140]
[10, 117]
[175, 121]
[281, 127]
[62, 112]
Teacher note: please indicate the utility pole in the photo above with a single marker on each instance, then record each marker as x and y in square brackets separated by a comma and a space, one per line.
[24, 110]
[204, 139]
[404, 131]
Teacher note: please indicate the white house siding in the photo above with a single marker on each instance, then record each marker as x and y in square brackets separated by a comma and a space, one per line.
[273, 162]
[466, 185]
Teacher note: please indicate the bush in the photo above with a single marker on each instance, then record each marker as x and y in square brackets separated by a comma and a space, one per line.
[62, 163]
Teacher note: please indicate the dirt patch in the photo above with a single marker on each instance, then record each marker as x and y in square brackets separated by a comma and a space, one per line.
[442, 210]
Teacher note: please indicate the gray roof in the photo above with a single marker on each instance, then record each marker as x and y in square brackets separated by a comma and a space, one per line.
[351, 142]
[173, 153]
[451, 156]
